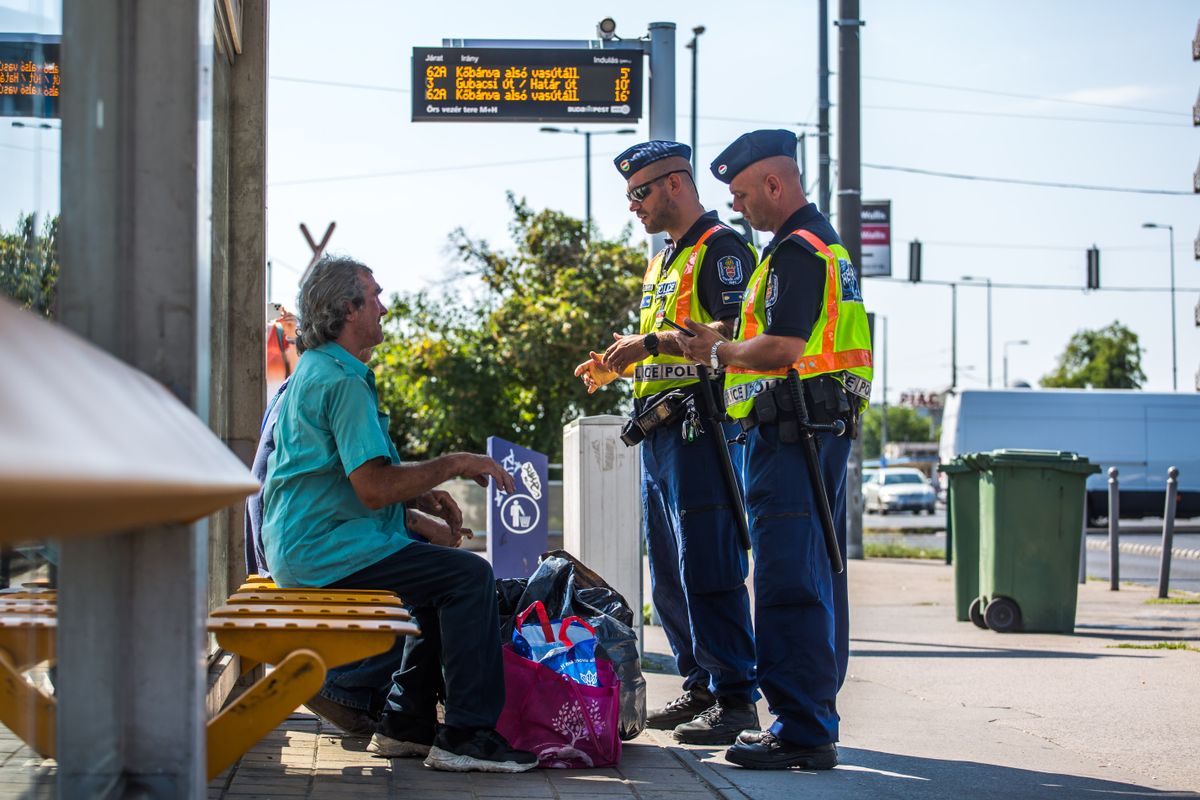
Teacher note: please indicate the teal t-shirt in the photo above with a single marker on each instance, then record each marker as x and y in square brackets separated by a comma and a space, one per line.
[315, 529]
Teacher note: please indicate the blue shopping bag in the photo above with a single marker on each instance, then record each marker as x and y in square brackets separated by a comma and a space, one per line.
[571, 652]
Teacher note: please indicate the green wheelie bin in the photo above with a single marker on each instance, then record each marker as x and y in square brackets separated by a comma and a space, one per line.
[1030, 525]
[962, 509]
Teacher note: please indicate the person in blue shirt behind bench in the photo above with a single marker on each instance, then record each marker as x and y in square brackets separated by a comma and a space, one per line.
[341, 512]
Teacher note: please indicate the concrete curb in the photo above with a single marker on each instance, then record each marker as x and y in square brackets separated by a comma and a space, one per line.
[689, 760]
[1147, 549]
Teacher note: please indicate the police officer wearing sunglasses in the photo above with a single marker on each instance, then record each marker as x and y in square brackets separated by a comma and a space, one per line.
[697, 566]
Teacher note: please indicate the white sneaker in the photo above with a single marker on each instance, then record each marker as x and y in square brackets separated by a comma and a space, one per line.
[476, 751]
[388, 747]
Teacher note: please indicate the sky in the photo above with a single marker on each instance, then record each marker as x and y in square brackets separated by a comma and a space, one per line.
[1094, 92]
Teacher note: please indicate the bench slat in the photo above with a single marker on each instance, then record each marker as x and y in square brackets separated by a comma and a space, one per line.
[369, 611]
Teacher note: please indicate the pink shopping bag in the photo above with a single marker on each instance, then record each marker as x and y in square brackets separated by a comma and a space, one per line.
[566, 724]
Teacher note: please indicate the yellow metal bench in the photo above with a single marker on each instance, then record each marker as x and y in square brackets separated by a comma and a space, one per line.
[302, 649]
[302, 636]
[25, 641]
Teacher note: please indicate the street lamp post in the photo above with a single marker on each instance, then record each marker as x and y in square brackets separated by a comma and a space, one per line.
[1018, 342]
[1174, 359]
[987, 281]
[587, 166]
[694, 46]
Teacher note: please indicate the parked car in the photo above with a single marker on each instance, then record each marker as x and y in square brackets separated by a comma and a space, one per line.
[899, 489]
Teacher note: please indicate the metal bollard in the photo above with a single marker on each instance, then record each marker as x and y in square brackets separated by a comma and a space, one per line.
[1114, 523]
[1083, 542]
[1164, 566]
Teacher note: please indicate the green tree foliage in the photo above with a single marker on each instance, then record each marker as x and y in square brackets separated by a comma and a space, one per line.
[495, 355]
[904, 425]
[1109, 358]
[29, 264]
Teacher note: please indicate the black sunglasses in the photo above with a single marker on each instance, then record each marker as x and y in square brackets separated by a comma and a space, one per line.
[640, 192]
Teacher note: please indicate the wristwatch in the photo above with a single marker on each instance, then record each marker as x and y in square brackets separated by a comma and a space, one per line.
[650, 340]
[712, 356]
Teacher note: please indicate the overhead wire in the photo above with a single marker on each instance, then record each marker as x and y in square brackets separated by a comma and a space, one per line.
[1023, 96]
[1015, 115]
[1026, 181]
[1056, 287]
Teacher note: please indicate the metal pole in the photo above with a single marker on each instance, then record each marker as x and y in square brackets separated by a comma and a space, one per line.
[694, 46]
[587, 182]
[953, 335]
[850, 220]
[883, 431]
[802, 149]
[823, 103]
[989, 336]
[1083, 542]
[662, 94]
[1114, 534]
[1168, 534]
[1174, 358]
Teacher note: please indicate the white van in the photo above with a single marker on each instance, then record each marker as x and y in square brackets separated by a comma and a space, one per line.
[1142, 434]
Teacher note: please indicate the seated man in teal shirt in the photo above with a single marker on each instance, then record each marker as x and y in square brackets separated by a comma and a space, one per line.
[340, 508]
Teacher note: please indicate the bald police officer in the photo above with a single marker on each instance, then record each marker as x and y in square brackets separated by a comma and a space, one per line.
[697, 567]
[802, 310]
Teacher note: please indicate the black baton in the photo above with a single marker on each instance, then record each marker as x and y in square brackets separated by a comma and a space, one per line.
[807, 430]
[708, 409]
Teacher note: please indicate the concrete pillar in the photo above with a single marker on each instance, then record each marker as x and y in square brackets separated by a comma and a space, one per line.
[247, 257]
[602, 508]
[136, 249]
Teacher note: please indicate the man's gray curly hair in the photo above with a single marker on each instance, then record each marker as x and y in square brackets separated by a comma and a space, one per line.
[331, 290]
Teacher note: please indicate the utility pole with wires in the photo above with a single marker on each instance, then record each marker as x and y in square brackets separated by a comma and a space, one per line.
[850, 220]
[823, 105]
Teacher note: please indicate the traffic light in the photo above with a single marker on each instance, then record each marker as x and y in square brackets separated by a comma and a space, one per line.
[914, 260]
[1093, 267]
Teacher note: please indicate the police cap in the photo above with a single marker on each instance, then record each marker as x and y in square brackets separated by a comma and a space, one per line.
[752, 147]
[644, 154]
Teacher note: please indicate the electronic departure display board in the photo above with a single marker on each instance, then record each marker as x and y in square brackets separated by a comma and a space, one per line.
[29, 76]
[481, 84]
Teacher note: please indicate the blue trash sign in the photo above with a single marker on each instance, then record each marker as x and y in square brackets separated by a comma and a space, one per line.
[518, 523]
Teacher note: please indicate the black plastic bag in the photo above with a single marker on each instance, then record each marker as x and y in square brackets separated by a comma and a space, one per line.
[566, 586]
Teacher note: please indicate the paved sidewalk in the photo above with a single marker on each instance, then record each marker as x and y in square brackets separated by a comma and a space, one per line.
[933, 708]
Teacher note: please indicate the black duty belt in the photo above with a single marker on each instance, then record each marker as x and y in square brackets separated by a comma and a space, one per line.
[827, 400]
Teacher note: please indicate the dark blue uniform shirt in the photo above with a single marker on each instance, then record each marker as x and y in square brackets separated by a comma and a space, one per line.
[796, 285]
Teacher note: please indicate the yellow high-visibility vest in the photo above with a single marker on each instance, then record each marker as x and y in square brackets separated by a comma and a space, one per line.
[840, 341]
[671, 296]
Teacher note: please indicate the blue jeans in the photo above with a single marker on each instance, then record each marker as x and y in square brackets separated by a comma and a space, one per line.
[452, 594]
[697, 568]
[801, 619]
[365, 684]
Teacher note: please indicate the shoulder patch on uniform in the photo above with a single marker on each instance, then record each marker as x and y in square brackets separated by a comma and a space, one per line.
[850, 291]
[731, 298]
[772, 291]
[729, 269]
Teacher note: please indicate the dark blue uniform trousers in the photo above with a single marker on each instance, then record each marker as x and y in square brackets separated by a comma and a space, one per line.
[452, 594]
[801, 620]
[697, 568]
